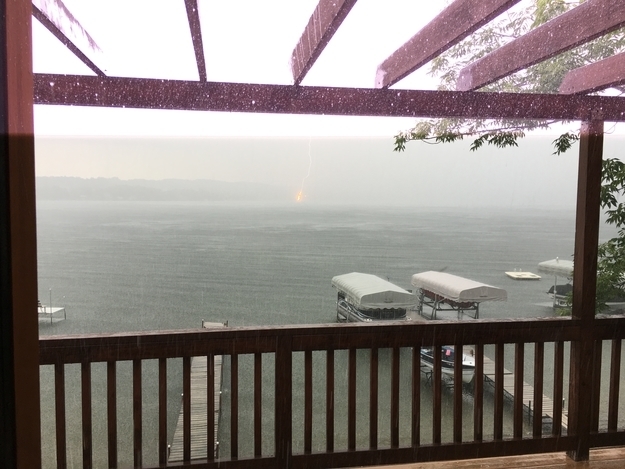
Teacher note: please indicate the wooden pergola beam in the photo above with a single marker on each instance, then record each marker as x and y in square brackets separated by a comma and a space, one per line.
[81, 90]
[595, 77]
[324, 22]
[57, 19]
[452, 25]
[580, 25]
[196, 36]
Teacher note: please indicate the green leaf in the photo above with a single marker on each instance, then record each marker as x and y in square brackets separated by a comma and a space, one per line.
[564, 142]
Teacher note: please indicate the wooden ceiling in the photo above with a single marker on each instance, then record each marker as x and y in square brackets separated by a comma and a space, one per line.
[592, 19]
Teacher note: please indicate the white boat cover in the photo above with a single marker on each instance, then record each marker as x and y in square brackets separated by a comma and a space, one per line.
[458, 289]
[556, 267]
[366, 291]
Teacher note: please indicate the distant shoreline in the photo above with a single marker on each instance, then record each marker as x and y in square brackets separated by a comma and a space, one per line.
[114, 189]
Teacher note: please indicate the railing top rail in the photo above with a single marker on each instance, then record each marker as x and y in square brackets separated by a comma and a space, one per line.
[262, 339]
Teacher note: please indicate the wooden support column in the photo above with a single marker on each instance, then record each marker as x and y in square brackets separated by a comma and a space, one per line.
[585, 284]
[20, 432]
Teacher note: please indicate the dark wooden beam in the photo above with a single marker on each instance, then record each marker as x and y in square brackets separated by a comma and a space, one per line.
[595, 77]
[56, 17]
[582, 24]
[585, 285]
[452, 25]
[196, 36]
[324, 22]
[20, 431]
[290, 99]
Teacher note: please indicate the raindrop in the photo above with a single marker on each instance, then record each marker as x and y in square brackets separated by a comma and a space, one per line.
[253, 101]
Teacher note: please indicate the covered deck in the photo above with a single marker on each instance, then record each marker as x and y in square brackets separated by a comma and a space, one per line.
[587, 337]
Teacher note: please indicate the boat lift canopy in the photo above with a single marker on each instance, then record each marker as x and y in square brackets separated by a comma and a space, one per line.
[447, 292]
[557, 268]
[366, 291]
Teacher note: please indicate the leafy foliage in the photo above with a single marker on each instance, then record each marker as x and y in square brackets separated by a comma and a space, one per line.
[544, 77]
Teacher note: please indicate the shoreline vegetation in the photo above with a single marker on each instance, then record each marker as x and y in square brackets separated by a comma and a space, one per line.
[114, 189]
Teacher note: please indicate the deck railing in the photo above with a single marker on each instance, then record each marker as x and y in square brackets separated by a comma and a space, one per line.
[338, 356]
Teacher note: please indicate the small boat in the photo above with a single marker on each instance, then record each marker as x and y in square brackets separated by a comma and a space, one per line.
[448, 357]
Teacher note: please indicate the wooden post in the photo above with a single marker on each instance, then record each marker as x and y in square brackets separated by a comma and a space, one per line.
[20, 431]
[585, 284]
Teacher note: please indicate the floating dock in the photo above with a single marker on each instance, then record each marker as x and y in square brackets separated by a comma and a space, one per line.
[523, 275]
[199, 408]
[50, 312]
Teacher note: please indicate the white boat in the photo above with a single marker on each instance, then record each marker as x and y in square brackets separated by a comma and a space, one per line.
[448, 359]
[365, 297]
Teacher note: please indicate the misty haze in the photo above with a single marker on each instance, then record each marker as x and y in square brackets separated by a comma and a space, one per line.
[345, 171]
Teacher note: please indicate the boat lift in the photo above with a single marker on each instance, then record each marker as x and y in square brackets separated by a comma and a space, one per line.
[557, 268]
[441, 291]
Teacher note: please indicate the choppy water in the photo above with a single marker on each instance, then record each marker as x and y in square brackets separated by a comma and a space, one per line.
[144, 266]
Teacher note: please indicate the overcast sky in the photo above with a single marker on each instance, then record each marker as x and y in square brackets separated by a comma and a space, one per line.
[252, 41]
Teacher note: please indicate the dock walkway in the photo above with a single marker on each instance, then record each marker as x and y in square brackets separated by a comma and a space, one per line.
[528, 392]
[199, 409]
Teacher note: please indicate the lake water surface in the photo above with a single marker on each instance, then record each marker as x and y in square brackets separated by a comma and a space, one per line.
[155, 266]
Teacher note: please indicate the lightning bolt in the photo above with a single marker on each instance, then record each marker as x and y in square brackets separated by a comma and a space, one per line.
[300, 194]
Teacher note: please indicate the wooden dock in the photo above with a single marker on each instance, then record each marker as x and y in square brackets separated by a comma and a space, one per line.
[528, 392]
[199, 409]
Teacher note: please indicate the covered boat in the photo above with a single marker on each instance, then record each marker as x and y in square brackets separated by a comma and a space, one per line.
[448, 359]
[366, 297]
[441, 291]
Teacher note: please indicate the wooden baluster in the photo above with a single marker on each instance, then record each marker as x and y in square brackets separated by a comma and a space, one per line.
[59, 408]
[558, 375]
[111, 407]
[615, 378]
[437, 390]
[234, 406]
[351, 401]
[210, 407]
[308, 395]
[539, 359]
[498, 407]
[596, 386]
[186, 408]
[284, 402]
[373, 400]
[258, 404]
[478, 394]
[395, 399]
[87, 439]
[416, 397]
[457, 435]
[519, 359]
[162, 411]
[330, 401]
[136, 412]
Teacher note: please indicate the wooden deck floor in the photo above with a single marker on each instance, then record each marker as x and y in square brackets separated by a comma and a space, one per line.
[605, 458]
